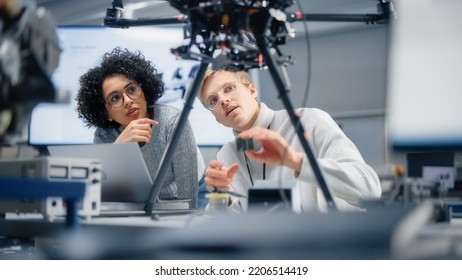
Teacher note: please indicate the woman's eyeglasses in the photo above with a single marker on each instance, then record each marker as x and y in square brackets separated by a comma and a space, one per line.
[116, 99]
[212, 101]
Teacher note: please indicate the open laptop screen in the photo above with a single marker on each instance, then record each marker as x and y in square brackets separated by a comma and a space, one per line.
[125, 175]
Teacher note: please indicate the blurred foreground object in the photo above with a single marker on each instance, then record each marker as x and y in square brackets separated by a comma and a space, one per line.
[29, 53]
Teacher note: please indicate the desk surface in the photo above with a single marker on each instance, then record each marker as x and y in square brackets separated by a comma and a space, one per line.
[275, 236]
[164, 220]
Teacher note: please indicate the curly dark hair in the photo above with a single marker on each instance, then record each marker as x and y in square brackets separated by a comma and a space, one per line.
[90, 102]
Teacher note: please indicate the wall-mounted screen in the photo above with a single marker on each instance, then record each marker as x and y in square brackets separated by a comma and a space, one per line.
[424, 107]
[83, 47]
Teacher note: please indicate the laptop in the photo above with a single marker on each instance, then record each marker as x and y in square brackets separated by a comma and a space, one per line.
[126, 182]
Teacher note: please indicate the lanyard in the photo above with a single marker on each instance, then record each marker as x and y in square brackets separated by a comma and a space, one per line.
[248, 167]
[250, 173]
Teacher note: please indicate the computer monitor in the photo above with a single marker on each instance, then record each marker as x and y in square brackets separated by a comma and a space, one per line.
[424, 94]
[83, 47]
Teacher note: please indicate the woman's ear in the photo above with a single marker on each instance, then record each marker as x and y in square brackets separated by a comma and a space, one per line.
[108, 116]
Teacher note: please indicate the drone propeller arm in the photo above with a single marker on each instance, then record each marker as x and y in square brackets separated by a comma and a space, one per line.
[126, 23]
[367, 18]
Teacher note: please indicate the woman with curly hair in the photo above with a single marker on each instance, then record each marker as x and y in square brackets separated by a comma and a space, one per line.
[118, 97]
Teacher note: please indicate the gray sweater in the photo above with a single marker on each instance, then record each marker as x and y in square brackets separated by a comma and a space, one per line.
[181, 180]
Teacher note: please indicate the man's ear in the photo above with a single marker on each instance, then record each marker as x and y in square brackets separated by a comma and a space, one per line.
[253, 90]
